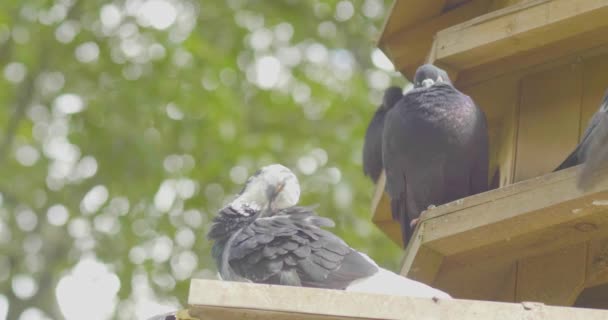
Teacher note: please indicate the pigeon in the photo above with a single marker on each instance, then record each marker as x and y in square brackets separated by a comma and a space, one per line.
[372, 145]
[263, 236]
[592, 151]
[434, 148]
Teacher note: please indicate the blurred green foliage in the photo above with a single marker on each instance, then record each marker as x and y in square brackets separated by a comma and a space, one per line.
[124, 131]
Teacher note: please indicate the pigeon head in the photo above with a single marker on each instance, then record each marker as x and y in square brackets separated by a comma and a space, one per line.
[427, 75]
[273, 187]
[392, 95]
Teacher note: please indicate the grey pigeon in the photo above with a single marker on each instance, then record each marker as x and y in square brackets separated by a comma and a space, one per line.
[593, 148]
[435, 148]
[263, 237]
[372, 145]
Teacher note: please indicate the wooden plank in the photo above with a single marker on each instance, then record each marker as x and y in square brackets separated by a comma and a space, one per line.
[554, 278]
[391, 229]
[497, 216]
[548, 120]
[545, 57]
[595, 84]
[597, 263]
[405, 13]
[377, 201]
[427, 260]
[408, 47]
[500, 4]
[499, 98]
[518, 28]
[591, 224]
[210, 300]
[381, 212]
[478, 280]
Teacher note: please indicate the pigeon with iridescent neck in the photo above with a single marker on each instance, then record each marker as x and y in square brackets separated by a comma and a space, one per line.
[435, 148]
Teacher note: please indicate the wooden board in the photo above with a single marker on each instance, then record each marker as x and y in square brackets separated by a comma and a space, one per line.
[555, 278]
[217, 300]
[407, 40]
[480, 280]
[595, 84]
[499, 99]
[521, 220]
[518, 28]
[381, 212]
[406, 13]
[549, 115]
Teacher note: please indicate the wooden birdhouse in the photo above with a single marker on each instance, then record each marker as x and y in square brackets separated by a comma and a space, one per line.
[538, 68]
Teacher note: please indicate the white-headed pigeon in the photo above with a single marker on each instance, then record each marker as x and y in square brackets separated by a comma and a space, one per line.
[435, 147]
[263, 237]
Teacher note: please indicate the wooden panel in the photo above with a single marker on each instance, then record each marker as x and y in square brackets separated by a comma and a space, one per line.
[595, 84]
[499, 99]
[554, 278]
[571, 50]
[211, 300]
[428, 261]
[597, 263]
[405, 13]
[381, 212]
[523, 219]
[517, 29]
[548, 120]
[408, 48]
[480, 280]
[500, 4]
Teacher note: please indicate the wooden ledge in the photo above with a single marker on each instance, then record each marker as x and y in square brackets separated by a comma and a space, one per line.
[517, 29]
[538, 207]
[211, 299]
[493, 245]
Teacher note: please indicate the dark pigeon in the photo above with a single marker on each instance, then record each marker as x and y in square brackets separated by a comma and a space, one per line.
[372, 146]
[593, 148]
[263, 237]
[288, 248]
[435, 148]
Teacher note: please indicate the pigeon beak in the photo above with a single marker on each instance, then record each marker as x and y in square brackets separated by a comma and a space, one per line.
[279, 188]
[273, 192]
[427, 83]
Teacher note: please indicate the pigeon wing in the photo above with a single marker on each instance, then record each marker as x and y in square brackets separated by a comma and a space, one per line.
[290, 248]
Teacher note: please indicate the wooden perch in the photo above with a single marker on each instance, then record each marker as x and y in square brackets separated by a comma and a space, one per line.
[211, 300]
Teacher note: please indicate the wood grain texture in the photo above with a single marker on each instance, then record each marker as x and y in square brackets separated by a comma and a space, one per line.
[554, 278]
[215, 300]
[518, 28]
[549, 114]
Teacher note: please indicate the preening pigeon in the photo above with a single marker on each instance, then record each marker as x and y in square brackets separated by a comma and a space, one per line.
[593, 148]
[435, 147]
[263, 237]
[372, 145]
